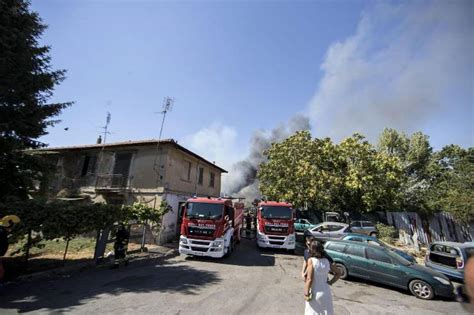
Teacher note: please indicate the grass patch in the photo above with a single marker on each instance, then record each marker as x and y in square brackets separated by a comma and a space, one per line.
[80, 247]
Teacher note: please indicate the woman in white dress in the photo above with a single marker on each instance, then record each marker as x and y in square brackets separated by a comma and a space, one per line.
[316, 291]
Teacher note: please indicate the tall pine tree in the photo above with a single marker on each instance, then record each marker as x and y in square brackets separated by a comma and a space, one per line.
[26, 84]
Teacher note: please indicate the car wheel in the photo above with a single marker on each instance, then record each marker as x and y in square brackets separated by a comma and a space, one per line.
[421, 289]
[342, 270]
[373, 234]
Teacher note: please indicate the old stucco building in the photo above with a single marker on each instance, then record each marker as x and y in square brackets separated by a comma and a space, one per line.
[135, 171]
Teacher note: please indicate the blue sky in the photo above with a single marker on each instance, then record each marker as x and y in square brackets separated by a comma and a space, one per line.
[235, 67]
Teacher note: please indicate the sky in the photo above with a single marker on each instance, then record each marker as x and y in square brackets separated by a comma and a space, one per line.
[235, 68]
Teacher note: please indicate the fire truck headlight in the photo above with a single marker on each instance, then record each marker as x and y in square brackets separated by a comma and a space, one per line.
[291, 238]
[217, 244]
[183, 240]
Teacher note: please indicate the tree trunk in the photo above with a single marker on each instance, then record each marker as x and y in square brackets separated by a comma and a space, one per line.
[142, 248]
[28, 245]
[65, 251]
[97, 239]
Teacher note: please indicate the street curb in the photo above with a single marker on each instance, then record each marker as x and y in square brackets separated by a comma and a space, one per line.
[66, 272]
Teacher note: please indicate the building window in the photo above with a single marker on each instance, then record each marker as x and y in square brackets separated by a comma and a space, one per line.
[211, 180]
[201, 175]
[189, 170]
[88, 166]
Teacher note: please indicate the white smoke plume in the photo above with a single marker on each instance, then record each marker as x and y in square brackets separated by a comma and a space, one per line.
[241, 180]
[405, 66]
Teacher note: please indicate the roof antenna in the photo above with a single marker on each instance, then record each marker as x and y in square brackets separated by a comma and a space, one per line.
[167, 105]
[107, 122]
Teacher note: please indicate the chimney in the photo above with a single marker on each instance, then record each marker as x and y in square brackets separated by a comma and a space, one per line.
[99, 140]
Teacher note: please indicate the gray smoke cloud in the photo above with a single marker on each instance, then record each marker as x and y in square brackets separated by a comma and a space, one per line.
[242, 178]
[406, 66]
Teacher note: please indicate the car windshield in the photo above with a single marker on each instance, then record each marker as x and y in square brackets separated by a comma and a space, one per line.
[399, 258]
[276, 212]
[204, 210]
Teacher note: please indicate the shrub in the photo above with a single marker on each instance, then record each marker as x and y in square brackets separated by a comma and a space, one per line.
[386, 232]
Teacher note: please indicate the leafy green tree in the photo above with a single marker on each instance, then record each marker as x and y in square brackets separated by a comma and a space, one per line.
[452, 190]
[26, 85]
[414, 154]
[142, 213]
[393, 143]
[371, 178]
[351, 176]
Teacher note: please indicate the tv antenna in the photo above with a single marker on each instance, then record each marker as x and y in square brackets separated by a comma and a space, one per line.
[107, 122]
[167, 106]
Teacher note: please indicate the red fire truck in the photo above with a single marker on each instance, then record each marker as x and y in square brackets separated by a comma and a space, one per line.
[275, 222]
[210, 226]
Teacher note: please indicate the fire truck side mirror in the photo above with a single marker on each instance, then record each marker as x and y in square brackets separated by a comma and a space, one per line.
[182, 210]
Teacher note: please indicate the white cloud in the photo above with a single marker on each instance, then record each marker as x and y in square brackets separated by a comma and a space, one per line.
[215, 143]
[403, 65]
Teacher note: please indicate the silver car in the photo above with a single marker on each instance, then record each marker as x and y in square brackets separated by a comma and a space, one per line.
[364, 227]
[328, 230]
[449, 258]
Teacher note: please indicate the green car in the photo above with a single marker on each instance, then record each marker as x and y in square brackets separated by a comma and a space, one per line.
[302, 225]
[379, 264]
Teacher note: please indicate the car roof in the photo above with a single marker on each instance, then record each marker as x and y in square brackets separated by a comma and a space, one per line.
[361, 235]
[455, 244]
[357, 243]
[333, 223]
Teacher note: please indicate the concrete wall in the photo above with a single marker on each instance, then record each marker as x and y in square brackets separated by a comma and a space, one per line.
[142, 168]
[176, 177]
[169, 228]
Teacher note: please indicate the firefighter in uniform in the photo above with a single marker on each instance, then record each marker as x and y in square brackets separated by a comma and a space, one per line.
[120, 246]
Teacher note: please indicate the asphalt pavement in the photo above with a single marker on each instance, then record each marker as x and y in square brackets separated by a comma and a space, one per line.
[251, 281]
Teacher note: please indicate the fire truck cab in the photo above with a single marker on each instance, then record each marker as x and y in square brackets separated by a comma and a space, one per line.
[275, 225]
[210, 227]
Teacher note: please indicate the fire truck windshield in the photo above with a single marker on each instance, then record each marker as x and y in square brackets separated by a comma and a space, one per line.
[204, 210]
[276, 212]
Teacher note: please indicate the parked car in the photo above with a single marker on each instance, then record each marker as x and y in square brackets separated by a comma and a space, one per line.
[375, 241]
[378, 264]
[364, 227]
[302, 225]
[328, 230]
[449, 258]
